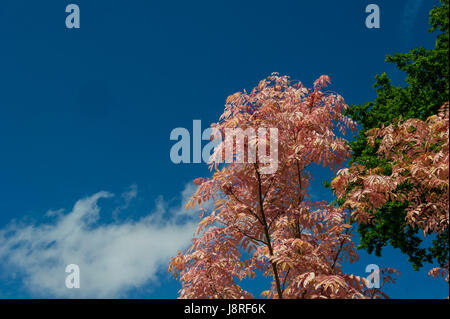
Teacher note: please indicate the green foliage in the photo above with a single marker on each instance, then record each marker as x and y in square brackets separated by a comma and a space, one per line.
[427, 88]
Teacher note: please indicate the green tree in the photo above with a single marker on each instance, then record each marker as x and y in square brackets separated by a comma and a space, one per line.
[426, 89]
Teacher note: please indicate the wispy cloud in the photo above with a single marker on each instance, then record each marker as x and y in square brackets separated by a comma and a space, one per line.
[127, 197]
[113, 258]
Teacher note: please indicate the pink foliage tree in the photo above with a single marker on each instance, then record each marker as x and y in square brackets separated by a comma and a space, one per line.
[420, 175]
[266, 222]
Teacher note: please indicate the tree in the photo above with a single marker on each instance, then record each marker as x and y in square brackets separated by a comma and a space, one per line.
[265, 222]
[419, 151]
[426, 90]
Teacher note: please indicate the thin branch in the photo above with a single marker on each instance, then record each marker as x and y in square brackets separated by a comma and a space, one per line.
[266, 231]
[341, 245]
[284, 281]
[247, 207]
[249, 236]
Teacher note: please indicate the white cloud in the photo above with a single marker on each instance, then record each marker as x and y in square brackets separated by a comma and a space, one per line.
[127, 196]
[113, 258]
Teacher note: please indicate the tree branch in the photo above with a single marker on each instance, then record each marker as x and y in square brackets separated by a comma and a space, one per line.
[266, 231]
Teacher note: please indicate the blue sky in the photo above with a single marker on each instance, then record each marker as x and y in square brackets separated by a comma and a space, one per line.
[90, 110]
